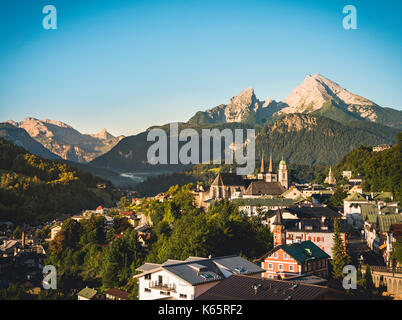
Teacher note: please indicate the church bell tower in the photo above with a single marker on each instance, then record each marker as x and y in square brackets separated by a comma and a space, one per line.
[283, 174]
[279, 230]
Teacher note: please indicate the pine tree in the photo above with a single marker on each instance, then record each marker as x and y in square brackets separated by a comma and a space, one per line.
[369, 279]
[340, 258]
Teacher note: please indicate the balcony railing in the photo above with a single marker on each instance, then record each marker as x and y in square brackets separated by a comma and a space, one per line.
[383, 269]
[162, 286]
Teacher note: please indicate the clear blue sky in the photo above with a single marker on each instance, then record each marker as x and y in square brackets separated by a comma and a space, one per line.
[127, 65]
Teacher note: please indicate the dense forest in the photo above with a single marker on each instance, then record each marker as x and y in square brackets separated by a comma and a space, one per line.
[182, 230]
[307, 140]
[33, 189]
[302, 139]
[382, 171]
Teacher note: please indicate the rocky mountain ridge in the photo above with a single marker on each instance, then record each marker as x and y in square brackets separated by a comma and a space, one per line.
[316, 94]
[66, 142]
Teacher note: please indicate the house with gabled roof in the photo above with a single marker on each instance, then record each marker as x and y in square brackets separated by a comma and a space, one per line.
[296, 259]
[87, 294]
[227, 184]
[294, 193]
[251, 207]
[261, 188]
[186, 280]
[117, 294]
[301, 223]
[352, 209]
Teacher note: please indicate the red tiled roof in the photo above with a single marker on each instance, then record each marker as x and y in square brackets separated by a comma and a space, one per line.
[118, 293]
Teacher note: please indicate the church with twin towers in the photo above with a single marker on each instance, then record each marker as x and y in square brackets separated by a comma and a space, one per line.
[270, 176]
[264, 184]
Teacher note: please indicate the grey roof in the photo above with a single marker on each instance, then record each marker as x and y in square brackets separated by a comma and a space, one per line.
[190, 275]
[265, 188]
[171, 261]
[260, 202]
[194, 259]
[196, 270]
[238, 265]
[228, 179]
[148, 266]
[278, 218]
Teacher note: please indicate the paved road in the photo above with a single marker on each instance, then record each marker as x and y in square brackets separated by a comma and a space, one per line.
[358, 247]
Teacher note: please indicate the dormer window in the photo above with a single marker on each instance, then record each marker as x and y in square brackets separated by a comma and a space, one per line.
[239, 269]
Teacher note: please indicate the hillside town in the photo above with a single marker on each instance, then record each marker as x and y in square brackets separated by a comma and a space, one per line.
[298, 265]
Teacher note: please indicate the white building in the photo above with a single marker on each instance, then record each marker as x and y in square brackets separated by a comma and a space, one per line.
[186, 280]
[252, 207]
[352, 210]
[303, 223]
[347, 174]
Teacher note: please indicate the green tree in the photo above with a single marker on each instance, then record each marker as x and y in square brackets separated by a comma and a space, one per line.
[17, 233]
[369, 285]
[397, 252]
[121, 259]
[339, 256]
[72, 232]
[13, 292]
[336, 199]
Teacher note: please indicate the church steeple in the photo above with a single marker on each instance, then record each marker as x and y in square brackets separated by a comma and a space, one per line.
[279, 229]
[270, 164]
[278, 218]
[283, 173]
[262, 170]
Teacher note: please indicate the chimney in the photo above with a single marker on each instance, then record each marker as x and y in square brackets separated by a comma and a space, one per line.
[256, 287]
